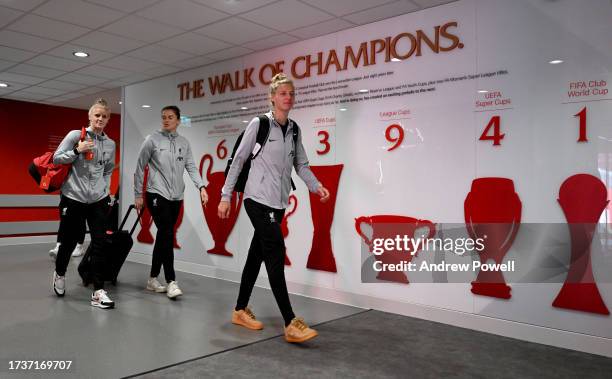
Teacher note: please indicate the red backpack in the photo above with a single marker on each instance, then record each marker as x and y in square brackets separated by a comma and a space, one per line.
[50, 176]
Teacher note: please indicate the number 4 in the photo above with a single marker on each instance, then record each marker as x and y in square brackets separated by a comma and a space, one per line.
[496, 137]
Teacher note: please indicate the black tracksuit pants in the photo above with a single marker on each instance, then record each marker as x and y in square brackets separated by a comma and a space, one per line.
[73, 215]
[267, 246]
[165, 214]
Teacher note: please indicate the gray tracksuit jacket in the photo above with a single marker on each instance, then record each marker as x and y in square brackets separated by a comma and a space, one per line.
[168, 156]
[269, 180]
[88, 181]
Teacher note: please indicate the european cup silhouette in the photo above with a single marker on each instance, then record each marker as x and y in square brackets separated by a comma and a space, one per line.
[146, 220]
[390, 226]
[321, 255]
[583, 198]
[493, 214]
[219, 228]
[284, 227]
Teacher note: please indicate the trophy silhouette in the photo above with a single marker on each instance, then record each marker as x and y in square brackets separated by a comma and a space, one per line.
[390, 226]
[179, 221]
[219, 228]
[583, 198]
[146, 220]
[492, 213]
[284, 228]
[321, 255]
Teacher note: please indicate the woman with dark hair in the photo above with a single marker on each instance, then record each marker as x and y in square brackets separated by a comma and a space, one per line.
[85, 197]
[168, 155]
[266, 196]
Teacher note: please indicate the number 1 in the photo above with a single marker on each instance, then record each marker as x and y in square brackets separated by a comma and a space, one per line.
[582, 118]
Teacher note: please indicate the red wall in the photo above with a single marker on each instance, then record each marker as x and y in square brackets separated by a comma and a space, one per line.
[28, 130]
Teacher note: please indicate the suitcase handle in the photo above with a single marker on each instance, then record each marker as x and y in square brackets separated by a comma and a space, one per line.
[127, 214]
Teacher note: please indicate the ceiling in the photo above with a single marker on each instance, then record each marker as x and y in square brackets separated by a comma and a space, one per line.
[130, 41]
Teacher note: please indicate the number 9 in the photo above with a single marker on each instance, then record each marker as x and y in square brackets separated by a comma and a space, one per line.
[396, 140]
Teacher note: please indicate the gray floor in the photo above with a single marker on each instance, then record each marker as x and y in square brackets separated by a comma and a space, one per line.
[150, 336]
[381, 345]
[145, 332]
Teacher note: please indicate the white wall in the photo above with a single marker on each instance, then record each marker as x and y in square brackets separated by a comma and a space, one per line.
[429, 176]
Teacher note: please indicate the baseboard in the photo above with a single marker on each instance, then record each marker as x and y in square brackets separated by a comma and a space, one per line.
[522, 331]
[9, 241]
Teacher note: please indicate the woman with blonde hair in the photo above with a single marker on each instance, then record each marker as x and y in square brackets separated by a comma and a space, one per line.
[85, 197]
[266, 197]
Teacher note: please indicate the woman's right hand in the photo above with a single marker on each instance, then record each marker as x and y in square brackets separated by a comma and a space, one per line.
[223, 210]
[85, 146]
[139, 203]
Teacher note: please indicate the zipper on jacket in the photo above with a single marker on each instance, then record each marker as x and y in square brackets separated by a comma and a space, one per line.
[172, 163]
[284, 157]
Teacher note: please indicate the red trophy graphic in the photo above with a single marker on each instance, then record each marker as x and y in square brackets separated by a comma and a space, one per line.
[492, 213]
[284, 228]
[390, 226]
[146, 220]
[179, 221]
[583, 198]
[219, 228]
[321, 255]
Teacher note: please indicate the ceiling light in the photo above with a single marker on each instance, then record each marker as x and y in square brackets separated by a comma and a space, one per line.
[4, 85]
[342, 109]
[80, 54]
[556, 61]
[363, 90]
[121, 102]
[146, 106]
[482, 91]
[395, 60]
[244, 108]
[245, 121]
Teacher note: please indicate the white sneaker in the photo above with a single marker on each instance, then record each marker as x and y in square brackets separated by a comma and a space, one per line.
[59, 284]
[100, 299]
[78, 250]
[53, 252]
[154, 285]
[173, 290]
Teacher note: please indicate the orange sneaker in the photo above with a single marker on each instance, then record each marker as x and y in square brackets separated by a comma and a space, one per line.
[298, 331]
[246, 318]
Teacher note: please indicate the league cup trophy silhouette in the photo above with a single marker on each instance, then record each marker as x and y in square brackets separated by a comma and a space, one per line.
[390, 226]
[284, 227]
[583, 198]
[146, 220]
[492, 213]
[219, 228]
[321, 255]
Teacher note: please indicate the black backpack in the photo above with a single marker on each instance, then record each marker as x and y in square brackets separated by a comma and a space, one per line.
[262, 137]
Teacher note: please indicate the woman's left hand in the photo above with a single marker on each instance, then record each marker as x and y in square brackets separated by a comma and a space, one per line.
[324, 193]
[203, 196]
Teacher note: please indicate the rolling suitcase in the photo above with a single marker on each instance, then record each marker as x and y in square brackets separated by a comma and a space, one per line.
[117, 245]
